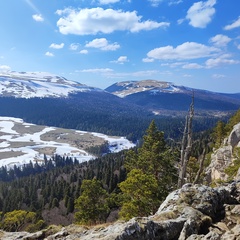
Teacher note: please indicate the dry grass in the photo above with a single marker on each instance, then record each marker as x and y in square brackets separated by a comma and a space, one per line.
[10, 154]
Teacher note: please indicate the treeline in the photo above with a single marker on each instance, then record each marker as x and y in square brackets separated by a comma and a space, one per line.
[134, 181]
[223, 129]
[57, 184]
[96, 112]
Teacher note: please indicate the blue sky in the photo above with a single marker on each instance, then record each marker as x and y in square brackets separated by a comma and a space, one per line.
[100, 42]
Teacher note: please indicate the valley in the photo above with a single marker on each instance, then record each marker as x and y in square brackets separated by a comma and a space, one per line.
[22, 142]
[64, 146]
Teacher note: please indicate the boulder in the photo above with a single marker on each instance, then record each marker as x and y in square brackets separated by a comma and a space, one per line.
[193, 212]
[223, 157]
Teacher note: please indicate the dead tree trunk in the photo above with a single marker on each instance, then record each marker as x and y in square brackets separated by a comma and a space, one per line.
[186, 145]
[200, 167]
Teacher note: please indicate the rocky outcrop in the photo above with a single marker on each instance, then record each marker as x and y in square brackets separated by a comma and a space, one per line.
[190, 213]
[223, 157]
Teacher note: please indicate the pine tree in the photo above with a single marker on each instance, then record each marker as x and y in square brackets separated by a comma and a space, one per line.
[140, 195]
[92, 206]
[152, 165]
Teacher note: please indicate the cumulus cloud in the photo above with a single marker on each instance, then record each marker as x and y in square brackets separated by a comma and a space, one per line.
[201, 13]
[57, 46]
[103, 44]
[121, 60]
[38, 17]
[192, 66]
[84, 51]
[98, 20]
[74, 46]
[219, 61]
[220, 40]
[187, 50]
[4, 68]
[49, 54]
[235, 24]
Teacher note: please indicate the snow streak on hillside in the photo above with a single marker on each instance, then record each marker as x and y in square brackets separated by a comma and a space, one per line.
[22, 142]
[38, 84]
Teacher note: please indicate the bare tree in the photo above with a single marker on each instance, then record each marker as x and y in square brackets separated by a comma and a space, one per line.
[200, 170]
[186, 145]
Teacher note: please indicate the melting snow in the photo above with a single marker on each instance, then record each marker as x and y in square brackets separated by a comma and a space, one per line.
[33, 142]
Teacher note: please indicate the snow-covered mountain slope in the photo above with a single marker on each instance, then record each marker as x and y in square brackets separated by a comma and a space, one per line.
[22, 142]
[38, 84]
[157, 96]
[123, 89]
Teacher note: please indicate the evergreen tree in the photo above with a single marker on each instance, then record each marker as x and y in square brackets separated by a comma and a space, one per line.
[153, 166]
[140, 194]
[92, 206]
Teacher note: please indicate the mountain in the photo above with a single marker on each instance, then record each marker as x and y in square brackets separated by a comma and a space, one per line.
[46, 99]
[38, 84]
[158, 96]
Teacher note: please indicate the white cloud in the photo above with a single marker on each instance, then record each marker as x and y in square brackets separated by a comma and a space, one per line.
[201, 13]
[148, 60]
[192, 66]
[141, 74]
[180, 21]
[98, 20]
[103, 44]
[187, 75]
[144, 73]
[96, 70]
[235, 24]
[173, 65]
[84, 51]
[49, 54]
[108, 1]
[121, 60]
[218, 76]
[74, 46]
[238, 46]
[57, 46]
[155, 3]
[187, 50]
[175, 2]
[38, 17]
[222, 60]
[4, 68]
[220, 40]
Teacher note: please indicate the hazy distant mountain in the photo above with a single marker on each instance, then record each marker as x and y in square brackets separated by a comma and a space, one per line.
[157, 96]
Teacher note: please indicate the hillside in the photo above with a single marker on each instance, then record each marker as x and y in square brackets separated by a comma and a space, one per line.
[46, 99]
[159, 96]
[38, 84]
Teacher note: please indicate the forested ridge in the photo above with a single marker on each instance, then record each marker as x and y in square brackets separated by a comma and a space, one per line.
[99, 112]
